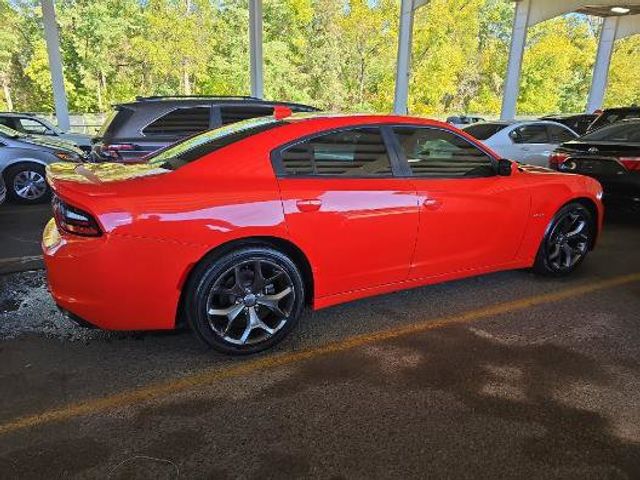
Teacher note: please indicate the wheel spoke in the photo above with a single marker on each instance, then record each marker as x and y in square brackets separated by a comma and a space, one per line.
[577, 230]
[272, 301]
[555, 253]
[246, 333]
[230, 312]
[568, 255]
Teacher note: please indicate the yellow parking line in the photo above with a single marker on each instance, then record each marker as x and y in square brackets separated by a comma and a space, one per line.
[212, 375]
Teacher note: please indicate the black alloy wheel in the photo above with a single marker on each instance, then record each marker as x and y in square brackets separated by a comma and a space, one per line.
[246, 301]
[567, 241]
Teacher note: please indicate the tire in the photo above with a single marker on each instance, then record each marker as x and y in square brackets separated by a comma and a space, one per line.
[235, 311]
[26, 183]
[566, 242]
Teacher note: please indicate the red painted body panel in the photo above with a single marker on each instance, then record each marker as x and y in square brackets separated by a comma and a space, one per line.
[360, 236]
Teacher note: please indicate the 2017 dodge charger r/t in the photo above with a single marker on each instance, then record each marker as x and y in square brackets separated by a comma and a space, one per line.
[237, 229]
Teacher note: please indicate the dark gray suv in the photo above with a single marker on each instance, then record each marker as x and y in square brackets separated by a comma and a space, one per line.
[136, 129]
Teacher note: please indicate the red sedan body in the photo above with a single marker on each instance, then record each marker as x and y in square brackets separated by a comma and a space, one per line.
[354, 236]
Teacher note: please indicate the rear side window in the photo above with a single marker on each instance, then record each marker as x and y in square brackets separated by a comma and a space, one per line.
[619, 132]
[534, 133]
[359, 152]
[436, 153]
[483, 131]
[233, 114]
[558, 134]
[197, 146]
[180, 122]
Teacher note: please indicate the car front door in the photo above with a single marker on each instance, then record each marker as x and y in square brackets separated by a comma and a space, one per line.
[533, 144]
[344, 208]
[470, 218]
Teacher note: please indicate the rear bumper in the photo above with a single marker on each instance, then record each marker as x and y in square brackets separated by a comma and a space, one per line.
[116, 283]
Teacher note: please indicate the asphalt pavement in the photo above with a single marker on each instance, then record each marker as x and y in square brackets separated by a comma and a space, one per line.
[20, 234]
[507, 375]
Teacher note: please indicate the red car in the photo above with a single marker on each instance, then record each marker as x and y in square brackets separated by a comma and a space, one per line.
[235, 230]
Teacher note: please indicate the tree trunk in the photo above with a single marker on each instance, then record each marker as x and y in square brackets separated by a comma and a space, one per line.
[7, 95]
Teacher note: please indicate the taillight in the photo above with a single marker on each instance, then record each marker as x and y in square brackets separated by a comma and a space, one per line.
[74, 220]
[113, 150]
[632, 164]
[557, 158]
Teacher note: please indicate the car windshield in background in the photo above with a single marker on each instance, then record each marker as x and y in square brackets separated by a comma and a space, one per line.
[483, 131]
[179, 154]
[619, 132]
[10, 132]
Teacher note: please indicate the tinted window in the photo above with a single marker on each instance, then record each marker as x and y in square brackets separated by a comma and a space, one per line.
[350, 153]
[237, 114]
[534, 133]
[483, 131]
[195, 147]
[558, 134]
[620, 132]
[183, 121]
[437, 153]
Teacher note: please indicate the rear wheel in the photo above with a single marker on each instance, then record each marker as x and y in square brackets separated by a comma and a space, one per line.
[245, 301]
[566, 242]
[26, 183]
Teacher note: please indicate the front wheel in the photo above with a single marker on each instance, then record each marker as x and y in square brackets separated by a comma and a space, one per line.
[245, 301]
[26, 183]
[566, 242]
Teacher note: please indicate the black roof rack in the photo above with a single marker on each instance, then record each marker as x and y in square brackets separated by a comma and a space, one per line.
[195, 97]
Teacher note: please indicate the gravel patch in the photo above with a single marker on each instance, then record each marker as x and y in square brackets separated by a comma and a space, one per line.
[26, 307]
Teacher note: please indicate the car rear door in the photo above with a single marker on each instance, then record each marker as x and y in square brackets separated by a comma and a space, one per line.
[470, 218]
[345, 208]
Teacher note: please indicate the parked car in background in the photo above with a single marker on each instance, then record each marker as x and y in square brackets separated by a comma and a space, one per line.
[139, 128]
[31, 124]
[613, 115]
[529, 142]
[237, 229]
[22, 163]
[579, 123]
[611, 155]
[463, 120]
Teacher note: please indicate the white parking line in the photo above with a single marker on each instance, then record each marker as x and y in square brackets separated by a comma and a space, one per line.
[27, 259]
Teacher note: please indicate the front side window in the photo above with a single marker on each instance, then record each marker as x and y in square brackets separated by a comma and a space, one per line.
[534, 133]
[437, 153]
[180, 122]
[359, 152]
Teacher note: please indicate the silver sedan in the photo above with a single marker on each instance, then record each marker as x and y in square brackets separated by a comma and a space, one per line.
[23, 159]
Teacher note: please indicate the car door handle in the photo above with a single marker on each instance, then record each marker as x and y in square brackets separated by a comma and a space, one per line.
[309, 205]
[431, 203]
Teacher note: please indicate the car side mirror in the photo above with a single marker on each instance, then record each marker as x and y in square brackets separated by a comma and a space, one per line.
[504, 167]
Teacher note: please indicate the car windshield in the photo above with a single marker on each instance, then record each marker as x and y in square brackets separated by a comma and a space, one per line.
[619, 132]
[483, 131]
[194, 147]
[10, 132]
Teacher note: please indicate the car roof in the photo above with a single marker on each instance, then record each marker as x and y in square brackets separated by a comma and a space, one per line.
[211, 99]
[17, 114]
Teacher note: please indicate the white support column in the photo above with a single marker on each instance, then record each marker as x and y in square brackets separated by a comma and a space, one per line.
[514, 69]
[52, 37]
[404, 57]
[255, 48]
[608, 35]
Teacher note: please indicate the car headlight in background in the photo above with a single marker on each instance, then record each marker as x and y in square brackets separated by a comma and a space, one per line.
[67, 156]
